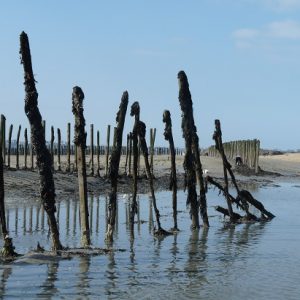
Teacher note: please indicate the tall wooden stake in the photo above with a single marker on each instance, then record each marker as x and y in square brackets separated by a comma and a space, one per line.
[135, 111]
[18, 146]
[188, 129]
[25, 148]
[173, 179]
[52, 146]
[92, 149]
[80, 142]
[98, 153]
[47, 188]
[9, 144]
[58, 149]
[8, 248]
[114, 167]
[107, 150]
[3, 137]
[68, 147]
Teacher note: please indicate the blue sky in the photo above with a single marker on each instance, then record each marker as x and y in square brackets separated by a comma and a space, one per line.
[242, 58]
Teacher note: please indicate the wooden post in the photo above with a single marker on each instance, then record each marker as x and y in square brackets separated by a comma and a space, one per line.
[188, 129]
[8, 248]
[52, 146]
[44, 128]
[152, 147]
[141, 130]
[3, 137]
[47, 188]
[114, 167]
[18, 144]
[135, 111]
[68, 147]
[219, 146]
[92, 149]
[31, 156]
[58, 149]
[107, 150]
[25, 148]
[173, 178]
[130, 154]
[80, 142]
[9, 144]
[127, 154]
[98, 153]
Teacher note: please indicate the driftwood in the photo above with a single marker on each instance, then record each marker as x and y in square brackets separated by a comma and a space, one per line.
[225, 212]
[47, 189]
[114, 167]
[173, 179]
[80, 143]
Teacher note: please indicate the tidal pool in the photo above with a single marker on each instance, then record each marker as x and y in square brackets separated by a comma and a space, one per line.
[248, 261]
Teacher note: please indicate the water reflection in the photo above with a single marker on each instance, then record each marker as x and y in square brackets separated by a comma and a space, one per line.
[83, 283]
[191, 264]
[48, 288]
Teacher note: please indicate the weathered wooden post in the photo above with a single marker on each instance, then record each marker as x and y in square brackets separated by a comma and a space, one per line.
[18, 146]
[114, 167]
[8, 248]
[25, 148]
[135, 111]
[80, 142]
[58, 149]
[152, 148]
[173, 178]
[52, 146]
[192, 151]
[98, 153]
[107, 150]
[9, 144]
[219, 146]
[3, 137]
[47, 188]
[130, 154]
[31, 156]
[127, 153]
[68, 147]
[92, 148]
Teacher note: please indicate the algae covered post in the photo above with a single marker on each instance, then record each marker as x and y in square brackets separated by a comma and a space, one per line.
[188, 129]
[173, 179]
[80, 143]
[43, 157]
[114, 167]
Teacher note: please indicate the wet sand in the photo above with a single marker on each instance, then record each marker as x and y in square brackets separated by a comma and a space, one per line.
[24, 184]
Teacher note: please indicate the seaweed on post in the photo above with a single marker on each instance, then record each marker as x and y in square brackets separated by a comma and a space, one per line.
[47, 188]
[80, 143]
[173, 179]
[114, 167]
[188, 129]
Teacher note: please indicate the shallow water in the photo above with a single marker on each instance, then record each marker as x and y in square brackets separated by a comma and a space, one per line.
[245, 261]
